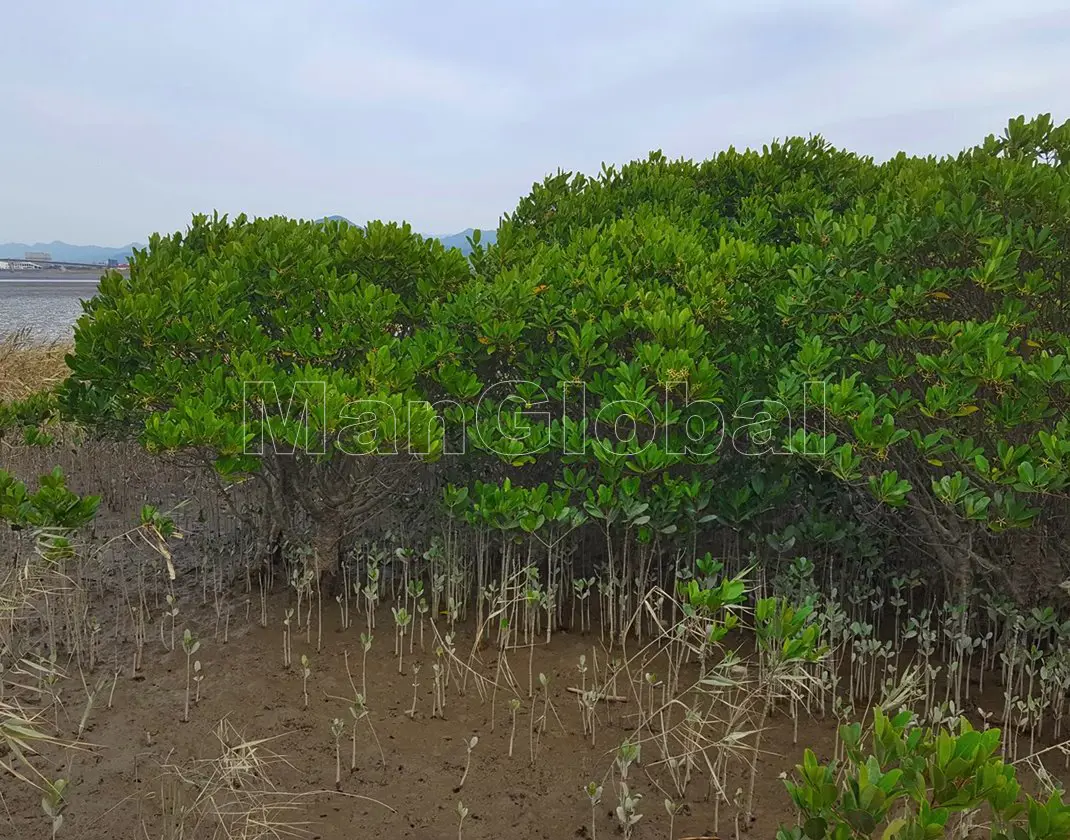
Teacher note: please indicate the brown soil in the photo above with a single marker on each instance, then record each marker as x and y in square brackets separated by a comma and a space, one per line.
[116, 786]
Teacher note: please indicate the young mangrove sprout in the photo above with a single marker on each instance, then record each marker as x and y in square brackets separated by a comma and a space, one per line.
[306, 672]
[672, 809]
[415, 687]
[594, 796]
[198, 677]
[287, 658]
[190, 644]
[470, 745]
[462, 812]
[53, 802]
[338, 728]
[401, 621]
[366, 640]
[627, 810]
[172, 613]
[514, 706]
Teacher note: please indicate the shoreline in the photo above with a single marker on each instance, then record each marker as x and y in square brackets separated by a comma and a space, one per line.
[50, 276]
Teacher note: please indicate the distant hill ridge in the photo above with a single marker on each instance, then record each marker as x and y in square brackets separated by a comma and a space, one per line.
[65, 252]
[450, 240]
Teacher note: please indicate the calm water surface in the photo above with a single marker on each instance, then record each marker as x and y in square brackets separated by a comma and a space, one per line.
[48, 306]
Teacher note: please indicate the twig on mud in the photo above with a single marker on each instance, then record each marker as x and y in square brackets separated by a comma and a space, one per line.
[609, 698]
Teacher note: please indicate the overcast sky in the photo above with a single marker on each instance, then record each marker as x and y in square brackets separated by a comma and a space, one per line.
[122, 118]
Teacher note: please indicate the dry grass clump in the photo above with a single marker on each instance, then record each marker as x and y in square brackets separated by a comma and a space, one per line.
[23, 728]
[28, 365]
[231, 795]
[20, 736]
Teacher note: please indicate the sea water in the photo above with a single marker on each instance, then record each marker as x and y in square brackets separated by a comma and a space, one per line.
[48, 306]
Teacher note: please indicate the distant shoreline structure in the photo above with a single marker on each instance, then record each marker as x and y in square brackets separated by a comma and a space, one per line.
[50, 276]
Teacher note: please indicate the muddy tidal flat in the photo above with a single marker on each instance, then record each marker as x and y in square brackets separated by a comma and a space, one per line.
[46, 303]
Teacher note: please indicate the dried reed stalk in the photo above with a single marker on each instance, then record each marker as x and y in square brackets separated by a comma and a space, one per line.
[28, 365]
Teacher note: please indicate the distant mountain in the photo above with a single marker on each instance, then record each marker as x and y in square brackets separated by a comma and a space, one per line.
[450, 240]
[460, 240]
[64, 252]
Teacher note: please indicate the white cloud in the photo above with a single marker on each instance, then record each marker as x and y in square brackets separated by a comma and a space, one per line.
[934, 74]
[361, 74]
[446, 113]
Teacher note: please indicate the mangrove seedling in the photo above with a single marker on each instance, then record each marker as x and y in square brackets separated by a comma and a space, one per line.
[415, 686]
[358, 710]
[470, 745]
[366, 640]
[286, 656]
[190, 644]
[338, 728]
[672, 809]
[594, 795]
[172, 613]
[53, 802]
[422, 608]
[627, 810]
[306, 672]
[401, 620]
[514, 705]
[627, 754]
[198, 676]
[438, 703]
[462, 812]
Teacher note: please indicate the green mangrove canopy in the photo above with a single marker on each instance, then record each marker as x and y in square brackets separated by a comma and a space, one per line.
[667, 356]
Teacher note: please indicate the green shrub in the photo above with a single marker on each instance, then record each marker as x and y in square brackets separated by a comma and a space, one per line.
[921, 302]
[912, 783]
[669, 350]
[247, 340]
